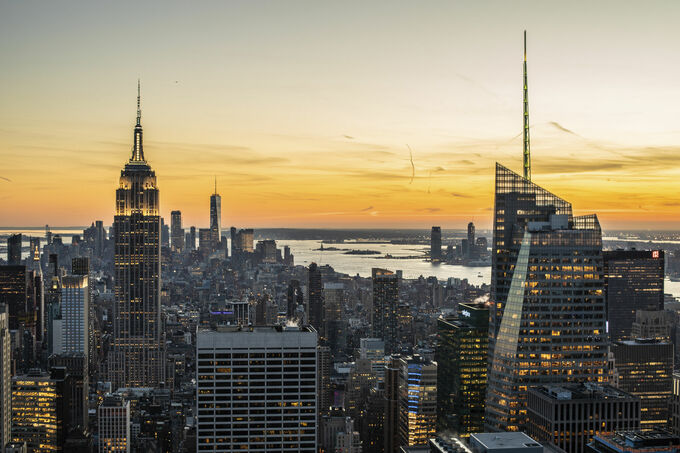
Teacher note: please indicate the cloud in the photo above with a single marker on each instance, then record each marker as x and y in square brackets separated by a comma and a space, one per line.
[562, 128]
[5, 179]
[366, 209]
[460, 195]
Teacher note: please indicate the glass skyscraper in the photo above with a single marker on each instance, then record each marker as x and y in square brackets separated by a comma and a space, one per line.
[547, 322]
[136, 357]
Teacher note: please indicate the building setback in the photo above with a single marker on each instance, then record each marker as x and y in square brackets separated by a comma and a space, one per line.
[567, 416]
[257, 389]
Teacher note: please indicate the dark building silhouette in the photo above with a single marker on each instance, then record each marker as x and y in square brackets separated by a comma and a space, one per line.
[461, 357]
[176, 231]
[633, 281]
[385, 307]
[645, 369]
[295, 298]
[436, 243]
[14, 249]
[215, 219]
[315, 300]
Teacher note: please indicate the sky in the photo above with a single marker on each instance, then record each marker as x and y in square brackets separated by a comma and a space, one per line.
[339, 114]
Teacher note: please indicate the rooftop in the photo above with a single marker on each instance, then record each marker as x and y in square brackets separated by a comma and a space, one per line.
[510, 440]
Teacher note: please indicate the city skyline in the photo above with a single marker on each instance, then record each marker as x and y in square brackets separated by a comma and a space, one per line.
[388, 117]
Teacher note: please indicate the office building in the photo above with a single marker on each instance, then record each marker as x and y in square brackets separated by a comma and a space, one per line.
[75, 309]
[192, 238]
[205, 241]
[633, 281]
[656, 324]
[417, 401]
[348, 440]
[257, 389]
[461, 369]
[21, 291]
[38, 410]
[176, 231]
[76, 388]
[539, 334]
[242, 241]
[385, 307]
[334, 320]
[436, 243]
[654, 441]
[315, 300]
[266, 251]
[136, 357]
[113, 416]
[645, 369]
[567, 416]
[674, 422]
[14, 249]
[504, 442]
[5, 377]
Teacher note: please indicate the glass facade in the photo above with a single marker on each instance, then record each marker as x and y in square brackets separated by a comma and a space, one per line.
[547, 322]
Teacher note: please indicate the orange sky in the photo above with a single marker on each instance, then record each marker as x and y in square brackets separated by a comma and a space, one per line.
[304, 113]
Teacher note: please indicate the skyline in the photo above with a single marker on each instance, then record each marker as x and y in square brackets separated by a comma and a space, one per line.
[304, 132]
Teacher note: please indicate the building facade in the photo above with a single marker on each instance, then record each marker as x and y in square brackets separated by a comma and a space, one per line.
[461, 356]
[417, 401]
[385, 307]
[257, 389]
[633, 281]
[176, 231]
[645, 369]
[569, 415]
[436, 243]
[75, 310]
[5, 377]
[113, 416]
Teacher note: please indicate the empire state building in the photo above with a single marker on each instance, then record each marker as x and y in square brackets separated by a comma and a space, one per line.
[136, 358]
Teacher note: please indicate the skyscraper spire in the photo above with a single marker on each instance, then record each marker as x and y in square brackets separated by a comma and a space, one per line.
[527, 149]
[215, 184]
[137, 148]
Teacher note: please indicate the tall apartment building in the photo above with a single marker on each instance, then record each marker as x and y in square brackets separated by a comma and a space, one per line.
[547, 321]
[5, 377]
[645, 369]
[113, 416]
[75, 310]
[569, 415]
[417, 401]
[257, 389]
[385, 307]
[633, 281]
[176, 231]
[461, 357]
[14, 249]
[436, 243]
[315, 302]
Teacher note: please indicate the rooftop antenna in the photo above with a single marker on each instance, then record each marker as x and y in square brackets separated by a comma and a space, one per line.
[527, 148]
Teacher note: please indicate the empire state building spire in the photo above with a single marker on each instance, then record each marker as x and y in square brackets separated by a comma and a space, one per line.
[138, 148]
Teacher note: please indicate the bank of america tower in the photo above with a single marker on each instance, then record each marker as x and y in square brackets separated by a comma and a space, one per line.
[136, 358]
[547, 322]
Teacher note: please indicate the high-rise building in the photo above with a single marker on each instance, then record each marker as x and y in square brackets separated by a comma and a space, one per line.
[547, 321]
[22, 292]
[38, 410]
[295, 298]
[257, 389]
[674, 416]
[216, 218]
[417, 401]
[192, 238]
[113, 415]
[569, 415]
[76, 388]
[80, 265]
[136, 358]
[14, 249]
[373, 349]
[315, 304]
[461, 357]
[75, 309]
[391, 404]
[5, 377]
[176, 231]
[633, 281]
[657, 440]
[334, 321]
[385, 306]
[471, 244]
[645, 369]
[436, 243]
